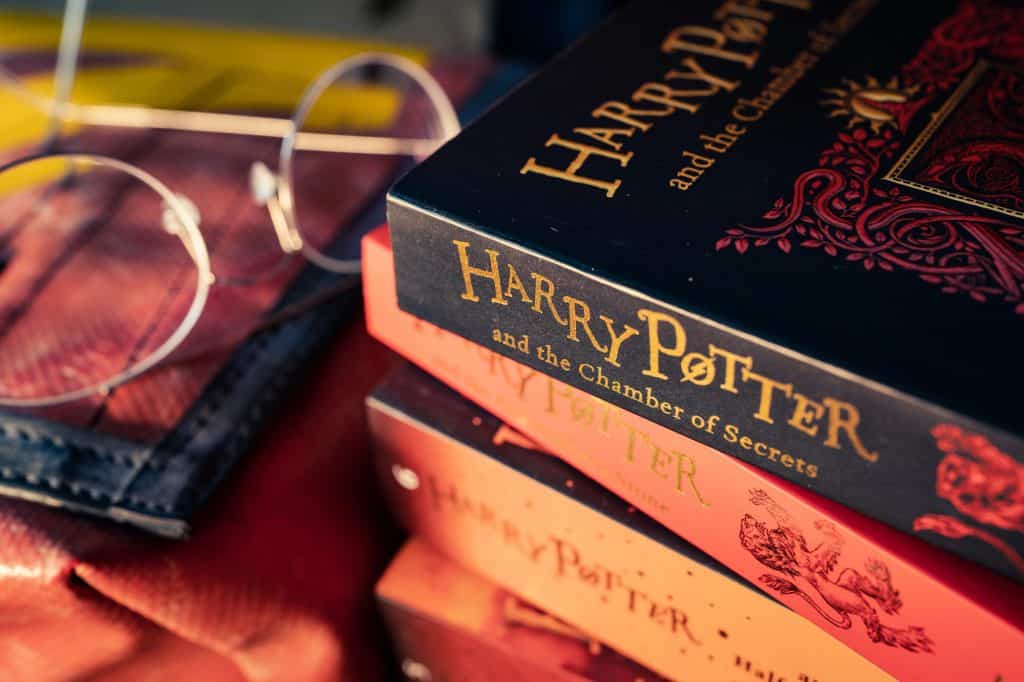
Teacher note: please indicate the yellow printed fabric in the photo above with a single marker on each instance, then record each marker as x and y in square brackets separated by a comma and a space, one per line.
[174, 65]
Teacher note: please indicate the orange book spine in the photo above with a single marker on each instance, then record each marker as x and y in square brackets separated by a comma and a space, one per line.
[451, 625]
[462, 481]
[913, 610]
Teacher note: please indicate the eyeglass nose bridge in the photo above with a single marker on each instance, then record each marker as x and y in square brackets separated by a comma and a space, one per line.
[172, 224]
[265, 187]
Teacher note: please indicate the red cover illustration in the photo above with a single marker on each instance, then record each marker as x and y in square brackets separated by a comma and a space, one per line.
[845, 591]
[857, 203]
[981, 482]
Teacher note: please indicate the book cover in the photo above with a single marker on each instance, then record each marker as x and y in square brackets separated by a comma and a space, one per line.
[451, 625]
[800, 219]
[857, 579]
[482, 494]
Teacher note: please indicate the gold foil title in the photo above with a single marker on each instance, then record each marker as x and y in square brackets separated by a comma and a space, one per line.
[669, 353]
[741, 25]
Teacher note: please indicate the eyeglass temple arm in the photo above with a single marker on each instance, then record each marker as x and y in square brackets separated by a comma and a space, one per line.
[127, 116]
[287, 236]
[239, 124]
[61, 109]
[67, 62]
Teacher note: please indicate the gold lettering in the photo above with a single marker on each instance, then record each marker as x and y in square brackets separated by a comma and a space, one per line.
[697, 369]
[586, 371]
[687, 469]
[656, 347]
[741, 9]
[845, 417]
[743, 30]
[525, 374]
[543, 290]
[795, 4]
[768, 387]
[712, 47]
[731, 360]
[616, 339]
[554, 391]
[805, 414]
[690, 175]
[468, 272]
[695, 72]
[605, 135]
[623, 113]
[570, 172]
[516, 284]
[579, 315]
[659, 459]
[659, 93]
[631, 435]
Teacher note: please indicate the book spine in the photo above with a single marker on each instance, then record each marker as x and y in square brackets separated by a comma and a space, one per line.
[662, 609]
[451, 625]
[430, 650]
[736, 512]
[822, 428]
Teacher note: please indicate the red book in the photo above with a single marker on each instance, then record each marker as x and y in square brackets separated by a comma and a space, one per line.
[490, 500]
[915, 611]
[451, 625]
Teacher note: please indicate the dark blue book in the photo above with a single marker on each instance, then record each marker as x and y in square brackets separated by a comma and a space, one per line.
[791, 230]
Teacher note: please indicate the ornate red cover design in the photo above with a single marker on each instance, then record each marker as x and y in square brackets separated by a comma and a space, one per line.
[810, 573]
[845, 207]
[980, 481]
[979, 151]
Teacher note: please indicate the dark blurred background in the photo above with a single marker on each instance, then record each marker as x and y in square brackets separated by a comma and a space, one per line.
[528, 30]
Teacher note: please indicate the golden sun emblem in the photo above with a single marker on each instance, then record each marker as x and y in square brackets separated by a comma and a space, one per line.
[872, 102]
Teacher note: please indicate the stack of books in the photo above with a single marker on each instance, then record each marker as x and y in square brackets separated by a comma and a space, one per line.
[723, 311]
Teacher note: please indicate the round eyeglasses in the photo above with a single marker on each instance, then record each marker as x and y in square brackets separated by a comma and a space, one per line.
[142, 239]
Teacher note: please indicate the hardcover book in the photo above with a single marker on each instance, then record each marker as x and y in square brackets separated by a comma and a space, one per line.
[451, 625]
[792, 230]
[481, 493]
[914, 610]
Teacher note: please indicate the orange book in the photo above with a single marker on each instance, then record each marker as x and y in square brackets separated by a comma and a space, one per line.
[483, 494]
[451, 625]
[915, 611]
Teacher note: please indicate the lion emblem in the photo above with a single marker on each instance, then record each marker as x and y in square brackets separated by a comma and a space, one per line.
[810, 572]
[981, 482]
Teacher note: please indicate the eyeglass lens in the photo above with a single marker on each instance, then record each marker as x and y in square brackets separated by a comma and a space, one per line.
[92, 283]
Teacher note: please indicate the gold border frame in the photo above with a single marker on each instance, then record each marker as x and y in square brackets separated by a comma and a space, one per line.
[938, 118]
